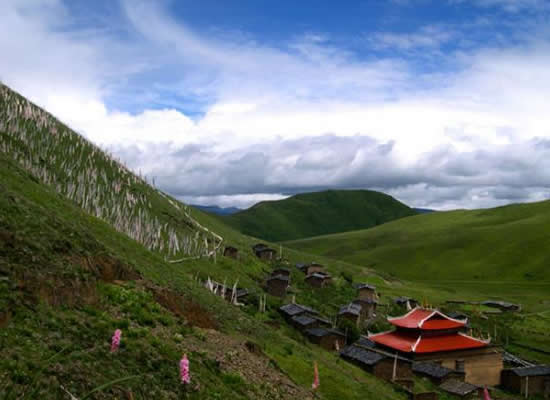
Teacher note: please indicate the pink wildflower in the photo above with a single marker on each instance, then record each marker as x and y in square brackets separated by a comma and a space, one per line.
[315, 383]
[115, 342]
[184, 370]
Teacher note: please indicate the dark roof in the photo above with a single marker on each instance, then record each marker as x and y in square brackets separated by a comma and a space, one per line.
[361, 355]
[300, 266]
[279, 277]
[365, 286]
[318, 275]
[231, 248]
[259, 246]
[431, 369]
[457, 387]
[323, 320]
[365, 342]
[456, 315]
[280, 271]
[303, 320]
[536, 370]
[351, 308]
[500, 304]
[296, 309]
[265, 249]
[320, 332]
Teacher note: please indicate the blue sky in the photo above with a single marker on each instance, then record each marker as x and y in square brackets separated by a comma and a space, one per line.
[441, 103]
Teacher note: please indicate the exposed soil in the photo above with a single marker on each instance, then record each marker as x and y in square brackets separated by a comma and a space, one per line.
[248, 360]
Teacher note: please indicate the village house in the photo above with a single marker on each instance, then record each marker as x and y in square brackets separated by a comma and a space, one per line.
[305, 321]
[429, 335]
[266, 254]
[502, 305]
[379, 363]
[436, 373]
[280, 271]
[367, 300]
[366, 291]
[231, 252]
[528, 381]
[311, 268]
[318, 279]
[263, 252]
[368, 308]
[277, 285]
[290, 310]
[329, 339]
[350, 312]
[258, 246]
[457, 315]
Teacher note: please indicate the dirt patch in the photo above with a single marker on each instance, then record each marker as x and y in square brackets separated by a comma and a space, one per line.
[57, 291]
[196, 315]
[107, 269]
[169, 299]
[234, 356]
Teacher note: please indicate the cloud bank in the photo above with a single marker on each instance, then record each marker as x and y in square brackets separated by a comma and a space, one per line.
[434, 116]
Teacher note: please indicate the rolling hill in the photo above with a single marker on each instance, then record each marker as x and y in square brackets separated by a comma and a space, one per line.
[319, 213]
[501, 244]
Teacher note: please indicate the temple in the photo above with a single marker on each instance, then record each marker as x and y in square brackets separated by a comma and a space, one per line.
[429, 335]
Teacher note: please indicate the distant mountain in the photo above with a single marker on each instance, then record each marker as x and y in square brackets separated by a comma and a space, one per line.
[423, 210]
[312, 214]
[217, 210]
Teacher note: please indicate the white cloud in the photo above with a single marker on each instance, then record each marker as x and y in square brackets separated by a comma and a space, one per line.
[306, 115]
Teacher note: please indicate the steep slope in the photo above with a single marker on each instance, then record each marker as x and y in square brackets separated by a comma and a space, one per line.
[501, 244]
[98, 183]
[312, 214]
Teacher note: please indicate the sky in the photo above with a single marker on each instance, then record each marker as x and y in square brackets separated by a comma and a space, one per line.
[442, 104]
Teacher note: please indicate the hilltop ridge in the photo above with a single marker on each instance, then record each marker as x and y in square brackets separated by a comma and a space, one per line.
[317, 213]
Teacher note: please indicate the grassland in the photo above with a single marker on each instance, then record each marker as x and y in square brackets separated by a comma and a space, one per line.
[494, 245]
[319, 213]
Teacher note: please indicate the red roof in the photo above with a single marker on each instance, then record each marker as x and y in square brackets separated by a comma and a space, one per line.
[420, 318]
[408, 343]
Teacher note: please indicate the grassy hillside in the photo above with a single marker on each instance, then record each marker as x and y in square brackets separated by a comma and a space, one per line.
[69, 276]
[312, 214]
[99, 184]
[501, 244]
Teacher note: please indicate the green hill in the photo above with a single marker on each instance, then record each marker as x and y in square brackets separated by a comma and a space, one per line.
[312, 214]
[501, 244]
[86, 247]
